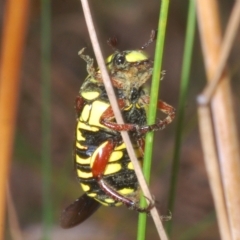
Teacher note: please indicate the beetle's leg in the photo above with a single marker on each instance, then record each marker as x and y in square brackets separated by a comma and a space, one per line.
[90, 68]
[128, 202]
[167, 109]
[79, 104]
[98, 168]
[108, 115]
[102, 157]
[160, 124]
[141, 145]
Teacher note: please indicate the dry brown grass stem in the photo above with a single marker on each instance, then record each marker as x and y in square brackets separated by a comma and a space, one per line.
[212, 167]
[14, 29]
[225, 131]
[227, 43]
[118, 116]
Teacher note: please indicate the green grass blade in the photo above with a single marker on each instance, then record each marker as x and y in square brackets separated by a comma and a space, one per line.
[153, 107]
[46, 121]
[181, 107]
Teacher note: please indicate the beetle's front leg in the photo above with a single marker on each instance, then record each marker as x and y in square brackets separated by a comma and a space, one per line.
[90, 68]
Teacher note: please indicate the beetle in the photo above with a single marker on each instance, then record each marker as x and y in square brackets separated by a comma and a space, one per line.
[104, 169]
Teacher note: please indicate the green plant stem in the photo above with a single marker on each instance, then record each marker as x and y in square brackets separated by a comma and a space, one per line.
[153, 107]
[181, 107]
[46, 121]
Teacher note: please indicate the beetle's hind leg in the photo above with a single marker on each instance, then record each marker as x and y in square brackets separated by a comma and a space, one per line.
[147, 209]
[128, 202]
[98, 168]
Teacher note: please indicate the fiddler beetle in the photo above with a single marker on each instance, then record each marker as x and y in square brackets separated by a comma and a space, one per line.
[103, 167]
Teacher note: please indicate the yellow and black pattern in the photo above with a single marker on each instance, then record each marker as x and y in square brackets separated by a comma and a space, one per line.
[103, 167]
[91, 136]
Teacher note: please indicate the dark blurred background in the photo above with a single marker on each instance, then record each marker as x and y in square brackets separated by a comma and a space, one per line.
[131, 21]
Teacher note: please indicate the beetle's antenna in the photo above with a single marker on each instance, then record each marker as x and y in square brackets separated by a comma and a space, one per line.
[152, 38]
[113, 42]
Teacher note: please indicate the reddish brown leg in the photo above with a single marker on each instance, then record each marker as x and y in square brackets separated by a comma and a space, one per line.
[98, 169]
[141, 145]
[108, 115]
[161, 124]
[79, 103]
[129, 203]
[167, 109]
[101, 159]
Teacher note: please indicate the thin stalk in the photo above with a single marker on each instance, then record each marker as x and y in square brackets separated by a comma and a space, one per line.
[229, 36]
[212, 166]
[46, 121]
[222, 111]
[118, 117]
[211, 162]
[186, 68]
[142, 222]
[14, 32]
